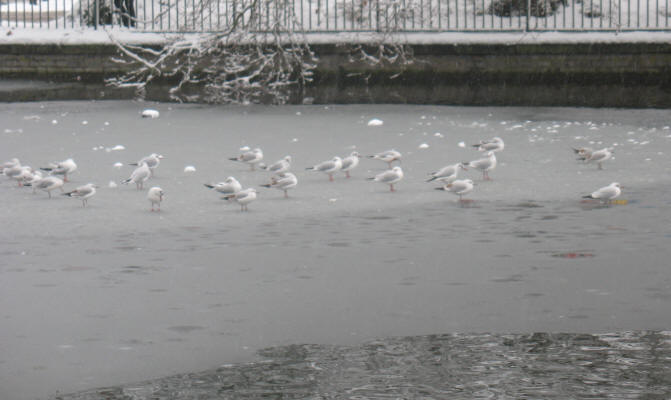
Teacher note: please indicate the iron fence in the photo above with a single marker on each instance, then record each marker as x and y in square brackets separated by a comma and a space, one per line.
[340, 15]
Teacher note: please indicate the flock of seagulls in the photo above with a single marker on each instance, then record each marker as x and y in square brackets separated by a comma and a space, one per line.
[283, 179]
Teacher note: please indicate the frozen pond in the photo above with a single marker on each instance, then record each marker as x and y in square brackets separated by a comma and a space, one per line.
[114, 293]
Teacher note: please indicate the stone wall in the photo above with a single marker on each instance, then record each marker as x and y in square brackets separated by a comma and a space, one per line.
[595, 75]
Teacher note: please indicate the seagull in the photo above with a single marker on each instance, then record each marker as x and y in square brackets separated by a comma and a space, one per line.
[229, 186]
[36, 176]
[139, 176]
[278, 167]
[447, 174]
[283, 181]
[350, 162]
[155, 197]
[459, 187]
[20, 173]
[62, 168]
[388, 156]
[9, 164]
[152, 161]
[328, 167]
[494, 144]
[606, 193]
[243, 197]
[251, 157]
[600, 156]
[48, 184]
[389, 177]
[83, 192]
[583, 153]
[484, 164]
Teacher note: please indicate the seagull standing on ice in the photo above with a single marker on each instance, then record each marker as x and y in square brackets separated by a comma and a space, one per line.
[350, 162]
[388, 156]
[229, 186]
[9, 164]
[243, 197]
[20, 173]
[34, 178]
[583, 153]
[328, 167]
[251, 157]
[494, 144]
[155, 197]
[447, 174]
[283, 181]
[48, 184]
[278, 167]
[600, 156]
[139, 176]
[83, 192]
[152, 161]
[389, 177]
[459, 187]
[62, 168]
[484, 164]
[606, 193]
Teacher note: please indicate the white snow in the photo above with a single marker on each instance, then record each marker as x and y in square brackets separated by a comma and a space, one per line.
[375, 122]
[423, 146]
[118, 165]
[150, 113]
[189, 168]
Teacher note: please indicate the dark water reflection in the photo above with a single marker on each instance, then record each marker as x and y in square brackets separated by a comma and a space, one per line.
[625, 365]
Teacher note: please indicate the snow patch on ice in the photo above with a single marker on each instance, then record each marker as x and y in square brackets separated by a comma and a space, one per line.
[150, 113]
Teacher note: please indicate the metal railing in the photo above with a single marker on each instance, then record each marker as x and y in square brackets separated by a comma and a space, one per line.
[341, 15]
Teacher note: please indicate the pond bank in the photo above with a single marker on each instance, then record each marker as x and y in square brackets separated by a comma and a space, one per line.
[598, 74]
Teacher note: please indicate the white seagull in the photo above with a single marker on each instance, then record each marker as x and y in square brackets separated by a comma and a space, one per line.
[459, 187]
[20, 173]
[83, 192]
[62, 168]
[328, 167]
[583, 153]
[36, 176]
[389, 177]
[447, 174]
[229, 186]
[283, 181]
[606, 193]
[494, 144]
[152, 161]
[388, 156]
[251, 157]
[350, 162]
[484, 164]
[9, 164]
[278, 167]
[600, 156]
[155, 197]
[48, 184]
[139, 176]
[243, 197]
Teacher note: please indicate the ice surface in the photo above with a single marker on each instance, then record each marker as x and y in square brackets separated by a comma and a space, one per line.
[133, 294]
